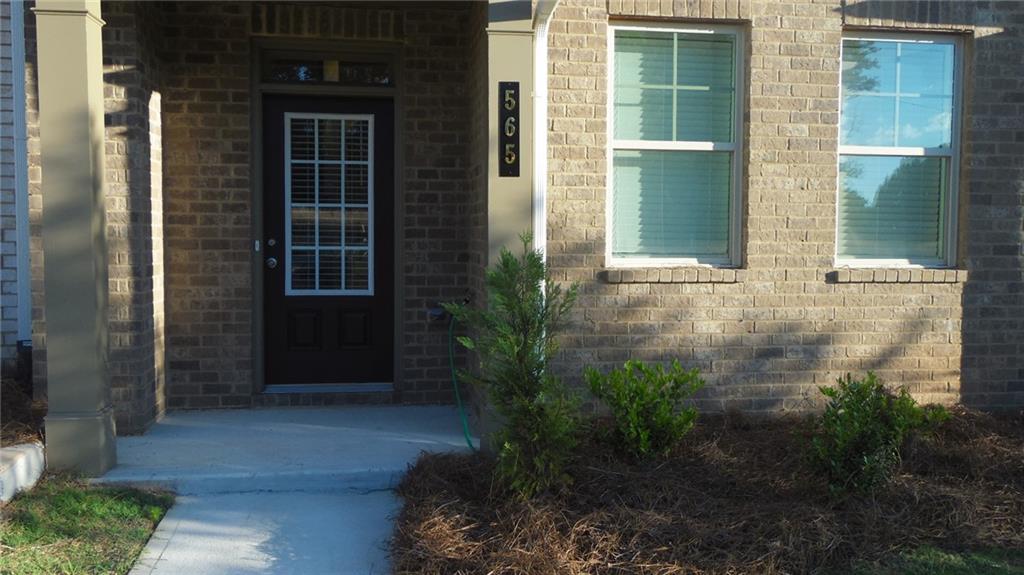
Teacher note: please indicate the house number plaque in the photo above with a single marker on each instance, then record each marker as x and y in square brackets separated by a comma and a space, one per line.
[508, 126]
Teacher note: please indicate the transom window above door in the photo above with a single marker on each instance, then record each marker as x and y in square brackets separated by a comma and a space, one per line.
[328, 204]
[674, 118]
[317, 68]
[898, 150]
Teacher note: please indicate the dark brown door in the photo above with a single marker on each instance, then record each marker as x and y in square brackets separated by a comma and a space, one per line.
[328, 207]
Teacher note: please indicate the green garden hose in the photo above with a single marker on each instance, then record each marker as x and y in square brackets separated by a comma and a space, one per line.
[455, 383]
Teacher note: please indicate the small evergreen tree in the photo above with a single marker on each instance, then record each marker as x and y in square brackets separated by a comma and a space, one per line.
[514, 337]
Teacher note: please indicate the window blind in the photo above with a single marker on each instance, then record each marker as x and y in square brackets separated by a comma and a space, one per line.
[672, 87]
[671, 203]
[890, 207]
[896, 150]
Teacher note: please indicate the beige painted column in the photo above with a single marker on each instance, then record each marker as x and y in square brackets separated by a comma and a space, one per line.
[510, 59]
[80, 422]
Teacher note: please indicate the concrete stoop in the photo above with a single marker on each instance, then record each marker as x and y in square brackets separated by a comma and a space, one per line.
[275, 481]
[292, 490]
[20, 468]
[284, 449]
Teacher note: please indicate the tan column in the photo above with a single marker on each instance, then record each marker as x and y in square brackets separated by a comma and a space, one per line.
[80, 422]
[510, 59]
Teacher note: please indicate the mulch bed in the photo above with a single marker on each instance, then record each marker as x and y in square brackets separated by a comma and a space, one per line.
[736, 497]
[21, 418]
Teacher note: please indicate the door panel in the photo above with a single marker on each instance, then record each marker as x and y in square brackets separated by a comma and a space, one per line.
[328, 217]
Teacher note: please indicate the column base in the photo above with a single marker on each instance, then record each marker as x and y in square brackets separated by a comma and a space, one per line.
[82, 442]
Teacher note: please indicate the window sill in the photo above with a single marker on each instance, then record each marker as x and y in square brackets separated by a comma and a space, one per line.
[896, 276]
[681, 275]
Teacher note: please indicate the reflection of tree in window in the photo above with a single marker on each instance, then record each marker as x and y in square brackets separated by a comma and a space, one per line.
[862, 57]
[285, 71]
[900, 215]
[859, 60]
[332, 71]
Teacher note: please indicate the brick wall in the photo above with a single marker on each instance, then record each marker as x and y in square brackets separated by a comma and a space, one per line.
[35, 207]
[439, 210]
[993, 214]
[477, 85]
[478, 152]
[134, 215]
[154, 112]
[766, 335]
[134, 220]
[207, 204]
[208, 189]
[8, 229]
[438, 190]
[178, 132]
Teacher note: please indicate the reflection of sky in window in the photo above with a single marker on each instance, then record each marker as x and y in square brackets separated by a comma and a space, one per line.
[927, 68]
[897, 94]
[925, 121]
[865, 175]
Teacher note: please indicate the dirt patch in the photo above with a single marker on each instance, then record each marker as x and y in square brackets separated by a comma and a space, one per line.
[736, 497]
[21, 418]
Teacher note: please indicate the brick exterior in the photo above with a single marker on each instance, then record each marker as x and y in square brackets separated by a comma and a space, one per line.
[338, 22]
[178, 132]
[788, 322]
[207, 204]
[35, 206]
[134, 214]
[477, 85]
[208, 189]
[438, 188]
[178, 91]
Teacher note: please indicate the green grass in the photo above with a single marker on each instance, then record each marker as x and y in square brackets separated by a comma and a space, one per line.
[64, 527]
[933, 561]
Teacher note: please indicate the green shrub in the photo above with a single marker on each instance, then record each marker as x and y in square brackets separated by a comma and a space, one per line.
[647, 404]
[514, 341]
[858, 437]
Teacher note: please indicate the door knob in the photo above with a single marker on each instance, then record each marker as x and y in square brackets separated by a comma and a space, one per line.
[271, 263]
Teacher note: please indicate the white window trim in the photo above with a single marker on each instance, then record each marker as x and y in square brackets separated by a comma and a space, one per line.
[736, 147]
[950, 203]
[288, 117]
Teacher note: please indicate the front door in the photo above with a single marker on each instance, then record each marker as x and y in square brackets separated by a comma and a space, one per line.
[328, 203]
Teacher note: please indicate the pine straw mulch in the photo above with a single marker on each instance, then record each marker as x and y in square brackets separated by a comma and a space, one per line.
[736, 497]
[21, 418]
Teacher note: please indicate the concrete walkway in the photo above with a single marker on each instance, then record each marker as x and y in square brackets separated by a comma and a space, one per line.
[299, 490]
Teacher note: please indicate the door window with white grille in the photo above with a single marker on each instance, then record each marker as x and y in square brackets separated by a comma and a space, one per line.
[329, 204]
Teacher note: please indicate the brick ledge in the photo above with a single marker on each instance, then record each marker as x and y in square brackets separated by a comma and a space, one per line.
[687, 275]
[895, 276]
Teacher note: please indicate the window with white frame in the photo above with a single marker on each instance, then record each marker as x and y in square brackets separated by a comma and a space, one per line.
[898, 150]
[674, 118]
